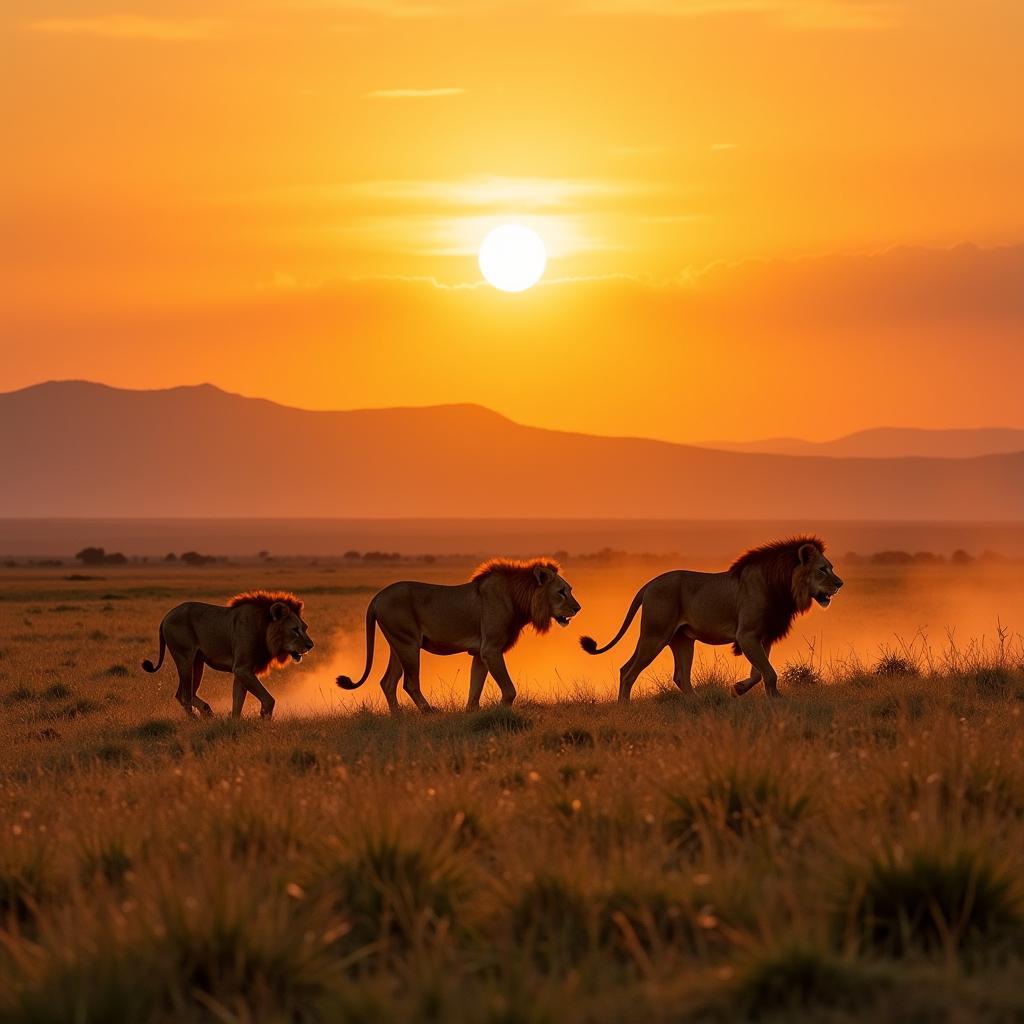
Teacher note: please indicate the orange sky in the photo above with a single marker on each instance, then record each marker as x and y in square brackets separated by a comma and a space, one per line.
[286, 200]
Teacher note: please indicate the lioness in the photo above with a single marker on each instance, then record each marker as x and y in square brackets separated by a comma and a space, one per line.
[752, 606]
[483, 617]
[255, 631]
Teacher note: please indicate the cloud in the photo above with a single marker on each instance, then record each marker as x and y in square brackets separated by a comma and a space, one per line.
[413, 94]
[717, 147]
[396, 8]
[794, 14]
[904, 284]
[491, 192]
[127, 26]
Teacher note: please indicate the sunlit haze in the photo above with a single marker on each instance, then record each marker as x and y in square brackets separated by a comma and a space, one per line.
[289, 200]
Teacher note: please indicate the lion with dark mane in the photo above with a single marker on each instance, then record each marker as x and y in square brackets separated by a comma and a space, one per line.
[752, 606]
[483, 618]
[254, 632]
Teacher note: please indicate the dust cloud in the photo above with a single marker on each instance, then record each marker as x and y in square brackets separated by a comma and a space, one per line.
[925, 607]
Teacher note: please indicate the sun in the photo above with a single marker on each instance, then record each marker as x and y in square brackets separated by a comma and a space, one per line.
[512, 257]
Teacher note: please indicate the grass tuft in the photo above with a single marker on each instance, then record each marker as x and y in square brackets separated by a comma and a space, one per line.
[935, 897]
[155, 729]
[394, 894]
[550, 921]
[798, 980]
[499, 719]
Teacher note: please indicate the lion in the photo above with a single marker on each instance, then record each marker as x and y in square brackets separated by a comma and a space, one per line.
[483, 617]
[254, 632]
[752, 606]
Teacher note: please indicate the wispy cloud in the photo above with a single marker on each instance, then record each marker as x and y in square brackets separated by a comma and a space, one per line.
[395, 8]
[718, 147]
[795, 14]
[413, 94]
[521, 193]
[127, 26]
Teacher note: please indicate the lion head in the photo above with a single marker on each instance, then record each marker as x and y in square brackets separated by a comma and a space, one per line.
[537, 590]
[553, 597]
[286, 635]
[814, 577]
[794, 573]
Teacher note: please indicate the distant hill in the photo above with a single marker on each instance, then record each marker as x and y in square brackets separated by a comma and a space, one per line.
[74, 449]
[891, 443]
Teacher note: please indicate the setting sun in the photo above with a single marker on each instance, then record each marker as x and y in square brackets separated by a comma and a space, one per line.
[512, 258]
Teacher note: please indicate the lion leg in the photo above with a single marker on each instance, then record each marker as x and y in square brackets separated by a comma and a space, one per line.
[197, 677]
[183, 695]
[682, 652]
[495, 664]
[657, 629]
[238, 692]
[755, 653]
[389, 683]
[262, 694]
[411, 679]
[747, 684]
[647, 649]
[477, 678]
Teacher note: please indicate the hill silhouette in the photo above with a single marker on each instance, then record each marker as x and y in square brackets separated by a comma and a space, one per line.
[891, 443]
[77, 449]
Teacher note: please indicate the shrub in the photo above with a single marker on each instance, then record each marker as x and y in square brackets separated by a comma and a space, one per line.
[990, 680]
[795, 980]
[894, 666]
[932, 897]
[549, 919]
[155, 729]
[739, 800]
[801, 675]
[394, 893]
[499, 719]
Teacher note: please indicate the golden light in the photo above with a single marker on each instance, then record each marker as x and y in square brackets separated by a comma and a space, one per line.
[512, 257]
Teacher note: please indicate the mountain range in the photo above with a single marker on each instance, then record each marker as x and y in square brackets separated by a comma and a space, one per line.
[891, 443]
[79, 449]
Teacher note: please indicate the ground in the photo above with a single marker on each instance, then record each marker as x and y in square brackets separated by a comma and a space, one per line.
[853, 850]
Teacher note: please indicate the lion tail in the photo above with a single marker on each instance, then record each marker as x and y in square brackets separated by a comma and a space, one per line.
[589, 644]
[345, 682]
[147, 665]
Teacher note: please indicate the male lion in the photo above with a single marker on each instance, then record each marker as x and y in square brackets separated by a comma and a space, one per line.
[751, 606]
[255, 631]
[483, 617]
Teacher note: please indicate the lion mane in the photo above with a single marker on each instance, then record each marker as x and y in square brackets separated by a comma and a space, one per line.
[530, 600]
[786, 579]
[272, 650]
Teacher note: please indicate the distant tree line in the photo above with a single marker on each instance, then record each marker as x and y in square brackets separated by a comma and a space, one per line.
[99, 556]
[958, 557]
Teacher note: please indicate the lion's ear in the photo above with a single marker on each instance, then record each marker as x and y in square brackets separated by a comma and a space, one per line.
[807, 553]
[279, 610]
[542, 574]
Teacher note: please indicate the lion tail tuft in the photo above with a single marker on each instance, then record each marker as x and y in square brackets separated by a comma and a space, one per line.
[147, 665]
[589, 644]
[346, 682]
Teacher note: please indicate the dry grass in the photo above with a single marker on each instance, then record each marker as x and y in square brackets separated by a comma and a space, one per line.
[852, 850]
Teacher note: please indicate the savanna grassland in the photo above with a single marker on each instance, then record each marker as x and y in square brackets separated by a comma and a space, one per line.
[853, 850]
